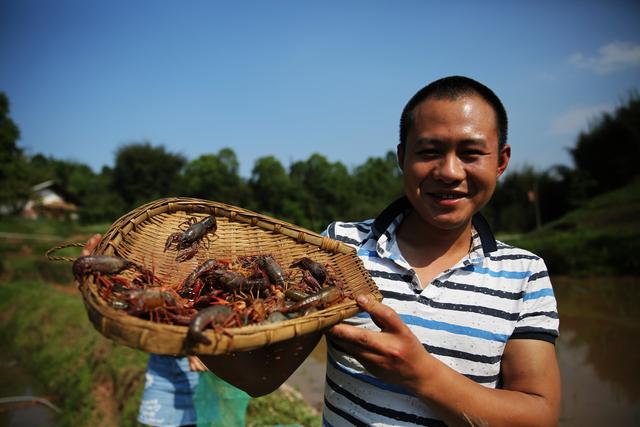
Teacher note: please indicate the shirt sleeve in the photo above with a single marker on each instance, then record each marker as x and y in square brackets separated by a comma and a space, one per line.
[538, 318]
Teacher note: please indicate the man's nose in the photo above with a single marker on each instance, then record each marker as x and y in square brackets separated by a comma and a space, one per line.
[450, 169]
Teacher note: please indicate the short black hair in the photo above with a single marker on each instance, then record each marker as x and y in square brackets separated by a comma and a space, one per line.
[452, 88]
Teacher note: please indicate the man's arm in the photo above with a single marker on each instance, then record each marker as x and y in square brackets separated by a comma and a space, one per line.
[531, 378]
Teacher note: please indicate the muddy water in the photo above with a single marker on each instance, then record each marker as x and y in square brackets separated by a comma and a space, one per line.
[598, 351]
[16, 382]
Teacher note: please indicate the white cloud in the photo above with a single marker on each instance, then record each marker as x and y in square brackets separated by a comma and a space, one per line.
[577, 119]
[610, 57]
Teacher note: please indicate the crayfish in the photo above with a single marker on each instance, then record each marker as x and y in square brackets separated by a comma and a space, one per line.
[220, 316]
[188, 289]
[103, 264]
[158, 304]
[188, 241]
[322, 299]
[317, 270]
[217, 294]
[271, 268]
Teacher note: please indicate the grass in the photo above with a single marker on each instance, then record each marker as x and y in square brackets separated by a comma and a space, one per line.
[46, 329]
[599, 239]
[24, 258]
[48, 227]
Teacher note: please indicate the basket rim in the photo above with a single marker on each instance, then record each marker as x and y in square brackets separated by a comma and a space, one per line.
[131, 220]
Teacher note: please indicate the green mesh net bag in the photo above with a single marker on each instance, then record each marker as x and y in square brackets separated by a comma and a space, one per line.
[218, 403]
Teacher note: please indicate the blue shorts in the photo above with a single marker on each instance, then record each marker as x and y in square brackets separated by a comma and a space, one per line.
[168, 390]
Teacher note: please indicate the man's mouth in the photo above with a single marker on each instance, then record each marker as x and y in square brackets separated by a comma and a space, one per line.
[447, 196]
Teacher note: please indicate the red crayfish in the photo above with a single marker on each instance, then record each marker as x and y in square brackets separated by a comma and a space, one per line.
[188, 241]
[103, 264]
[219, 316]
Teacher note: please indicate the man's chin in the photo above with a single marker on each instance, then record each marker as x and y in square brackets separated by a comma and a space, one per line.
[449, 225]
[445, 222]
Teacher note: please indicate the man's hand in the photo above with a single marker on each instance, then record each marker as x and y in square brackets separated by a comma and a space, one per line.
[394, 354]
[90, 245]
[196, 365]
[531, 392]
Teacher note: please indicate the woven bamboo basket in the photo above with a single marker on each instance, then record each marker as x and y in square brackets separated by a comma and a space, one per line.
[140, 235]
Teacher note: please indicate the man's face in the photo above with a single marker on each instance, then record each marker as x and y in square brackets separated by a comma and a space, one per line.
[451, 161]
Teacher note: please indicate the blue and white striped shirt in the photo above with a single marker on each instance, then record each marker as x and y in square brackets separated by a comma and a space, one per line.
[464, 317]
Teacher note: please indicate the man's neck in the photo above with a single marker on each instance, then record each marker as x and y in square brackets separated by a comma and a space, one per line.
[422, 244]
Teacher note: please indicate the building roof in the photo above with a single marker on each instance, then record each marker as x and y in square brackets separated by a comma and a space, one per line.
[57, 188]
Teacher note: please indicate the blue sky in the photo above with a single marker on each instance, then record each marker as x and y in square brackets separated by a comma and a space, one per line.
[291, 78]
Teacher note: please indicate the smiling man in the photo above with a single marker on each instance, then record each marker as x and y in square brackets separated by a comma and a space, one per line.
[466, 333]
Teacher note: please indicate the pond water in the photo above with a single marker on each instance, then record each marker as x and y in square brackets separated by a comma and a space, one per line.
[16, 382]
[598, 352]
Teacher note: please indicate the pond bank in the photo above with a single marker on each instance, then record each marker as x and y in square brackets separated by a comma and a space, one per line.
[97, 382]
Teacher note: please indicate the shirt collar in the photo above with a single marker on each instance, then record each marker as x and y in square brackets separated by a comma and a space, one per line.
[391, 216]
[386, 244]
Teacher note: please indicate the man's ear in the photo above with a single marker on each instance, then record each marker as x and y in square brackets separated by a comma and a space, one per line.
[503, 159]
[400, 154]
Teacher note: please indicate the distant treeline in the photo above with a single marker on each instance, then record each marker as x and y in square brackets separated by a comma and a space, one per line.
[313, 192]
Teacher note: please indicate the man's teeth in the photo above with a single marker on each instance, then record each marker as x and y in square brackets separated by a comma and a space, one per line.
[447, 196]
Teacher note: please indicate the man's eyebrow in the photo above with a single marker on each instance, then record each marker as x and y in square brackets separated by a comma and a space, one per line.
[428, 140]
[481, 142]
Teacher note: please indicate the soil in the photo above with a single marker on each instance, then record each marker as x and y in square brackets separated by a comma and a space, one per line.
[106, 406]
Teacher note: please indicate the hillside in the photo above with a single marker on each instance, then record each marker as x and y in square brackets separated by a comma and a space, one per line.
[601, 238]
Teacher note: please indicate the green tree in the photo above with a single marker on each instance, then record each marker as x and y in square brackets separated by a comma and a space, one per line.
[14, 168]
[215, 177]
[270, 187]
[559, 191]
[376, 183]
[101, 203]
[72, 176]
[510, 208]
[606, 155]
[144, 172]
[322, 189]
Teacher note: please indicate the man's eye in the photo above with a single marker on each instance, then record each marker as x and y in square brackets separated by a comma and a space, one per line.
[472, 153]
[428, 153]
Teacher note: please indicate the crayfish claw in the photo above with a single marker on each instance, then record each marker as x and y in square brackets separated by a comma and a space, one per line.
[187, 254]
[173, 238]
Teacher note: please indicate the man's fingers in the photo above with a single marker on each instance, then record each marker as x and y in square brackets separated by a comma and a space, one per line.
[382, 315]
[352, 339]
[195, 364]
[90, 245]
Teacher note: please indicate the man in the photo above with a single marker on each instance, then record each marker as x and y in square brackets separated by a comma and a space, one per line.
[466, 331]
[465, 335]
